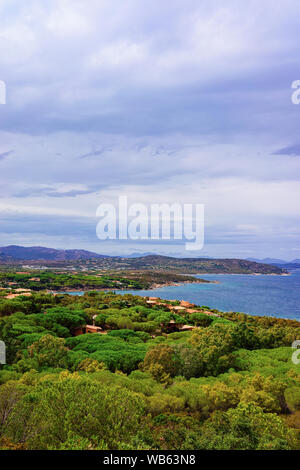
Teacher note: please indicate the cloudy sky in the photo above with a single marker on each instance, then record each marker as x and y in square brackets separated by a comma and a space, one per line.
[176, 101]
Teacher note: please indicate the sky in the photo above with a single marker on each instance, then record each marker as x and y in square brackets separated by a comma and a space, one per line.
[164, 102]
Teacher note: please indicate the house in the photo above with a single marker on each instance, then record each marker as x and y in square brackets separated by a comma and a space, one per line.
[94, 329]
[77, 331]
[177, 309]
[186, 304]
[172, 327]
[211, 314]
[187, 328]
[13, 296]
[36, 279]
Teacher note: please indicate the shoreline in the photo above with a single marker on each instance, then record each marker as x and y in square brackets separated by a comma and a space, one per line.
[214, 296]
[151, 287]
[240, 274]
[155, 286]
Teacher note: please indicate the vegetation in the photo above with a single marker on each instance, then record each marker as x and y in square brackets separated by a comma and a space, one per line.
[142, 383]
[84, 260]
[60, 281]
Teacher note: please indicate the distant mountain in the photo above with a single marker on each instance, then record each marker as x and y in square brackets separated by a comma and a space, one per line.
[149, 253]
[268, 260]
[290, 266]
[15, 254]
[42, 253]
[287, 265]
[4, 258]
[139, 255]
[201, 265]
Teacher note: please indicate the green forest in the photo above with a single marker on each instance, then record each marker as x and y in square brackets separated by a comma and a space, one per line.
[229, 383]
[60, 281]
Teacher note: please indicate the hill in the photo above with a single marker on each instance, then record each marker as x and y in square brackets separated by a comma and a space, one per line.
[42, 253]
[94, 261]
[202, 265]
[268, 260]
[287, 265]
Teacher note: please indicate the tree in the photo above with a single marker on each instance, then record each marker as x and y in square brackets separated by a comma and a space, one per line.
[49, 351]
[98, 415]
[164, 357]
[292, 396]
[246, 427]
[91, 365]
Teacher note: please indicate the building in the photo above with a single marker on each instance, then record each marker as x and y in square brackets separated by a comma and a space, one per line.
[171, 327]
[177, 309]
[13, 296]
[186, 304]
[187, 328]
[77, 331]
[94, 329]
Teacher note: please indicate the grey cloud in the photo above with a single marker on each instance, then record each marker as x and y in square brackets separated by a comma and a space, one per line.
[5, 154]
[94, 153]
[293, 150]
[165, 94]
[72, 193]
[53, 192]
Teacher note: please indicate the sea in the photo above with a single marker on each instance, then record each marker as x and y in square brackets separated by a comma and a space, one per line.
[270, 295]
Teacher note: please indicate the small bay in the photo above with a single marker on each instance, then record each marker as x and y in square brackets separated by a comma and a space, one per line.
[259, 295]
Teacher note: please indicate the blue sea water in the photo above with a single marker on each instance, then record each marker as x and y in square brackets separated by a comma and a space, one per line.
[259, 295]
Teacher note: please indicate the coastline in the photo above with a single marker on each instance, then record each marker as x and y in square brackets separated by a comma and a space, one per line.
[240, 274]
[155, 285]
[150, 287]
[242, 294]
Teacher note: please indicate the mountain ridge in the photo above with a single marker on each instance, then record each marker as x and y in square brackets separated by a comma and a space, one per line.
[15, 254]
[42, 253]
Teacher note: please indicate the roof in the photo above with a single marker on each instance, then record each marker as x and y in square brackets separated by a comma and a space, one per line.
[185, 303]
[187, 327]
[93, 327]
[178, 308]
[13, 296]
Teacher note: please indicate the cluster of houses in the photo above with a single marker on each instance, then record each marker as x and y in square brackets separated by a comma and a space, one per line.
[171, 327]
[18, 292]
[184, 307]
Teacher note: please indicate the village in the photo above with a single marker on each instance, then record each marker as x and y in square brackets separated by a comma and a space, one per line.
[173, 326]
